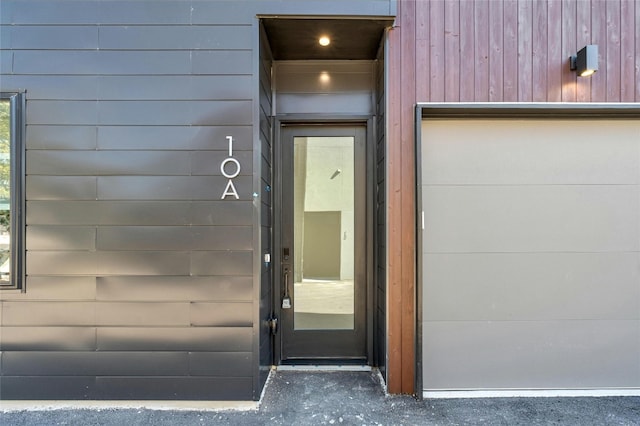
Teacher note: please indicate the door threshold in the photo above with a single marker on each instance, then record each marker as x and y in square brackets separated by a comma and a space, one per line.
[312, 367]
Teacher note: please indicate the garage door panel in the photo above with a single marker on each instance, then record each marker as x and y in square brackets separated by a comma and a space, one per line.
[536, 354]
[530, 152]
[591, 218]
[531, 286]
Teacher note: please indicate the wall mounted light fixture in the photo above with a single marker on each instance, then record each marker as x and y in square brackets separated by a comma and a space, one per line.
[585, 63]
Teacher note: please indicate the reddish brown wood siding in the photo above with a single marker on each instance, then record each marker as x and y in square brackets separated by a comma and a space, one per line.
[487, 51]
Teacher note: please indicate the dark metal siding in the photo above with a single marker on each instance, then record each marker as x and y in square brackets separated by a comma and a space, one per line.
[380, 235]
[266, 183]
[141, 282]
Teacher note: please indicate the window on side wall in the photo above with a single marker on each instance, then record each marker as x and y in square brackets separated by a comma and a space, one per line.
[12, 232]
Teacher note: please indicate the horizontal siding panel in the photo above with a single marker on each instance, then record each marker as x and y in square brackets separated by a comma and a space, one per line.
[143, 263]
[221, 12]
[107, 213]
[6, 62]
[61, 137]
[171, 188]
[131, 314]
[48, 313]
[61, 188]
[34, 37]
[42, 387]
[58, 87]
[234, 62]
[56, 288]
[61, 238]
[175, 288]
[222, 213]
[222, 314]
[178, 37]
[174, 238]
[62, 112]
[218, 213]
[222, 263]
[169, 12]
[82, 62]
[205, 87]
[49, 13]
[62, 262]
[95, 363]
[97, 163]
[48, 339]
[225, 364]
[200, 113]
[172, 388]
[231, 339]
[174, 137]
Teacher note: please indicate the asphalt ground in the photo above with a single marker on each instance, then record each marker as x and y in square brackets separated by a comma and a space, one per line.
[355, 398]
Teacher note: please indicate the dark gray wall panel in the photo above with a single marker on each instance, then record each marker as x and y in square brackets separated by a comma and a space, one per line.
[62, 112]
[5, 36]
[222, 263]
[164, 113]
[48, 339]
[58, 288]
[61, 238]
[174, 238]
[131, 314]
[222, 314]
[95, 363]
[230, 364]
[62, 262]
[21, 313]
[176, 37]
[61, 188]
[96, 163]
[208, 162]
[170, 188]
[221, 12]
[178, 87]
[143, 62]
[181, 388]
[62, 137]
[29, 388]
[59, 12]
[108, 213]
[222, 213]
[222, 62]
[233, 339]
[46, 62]
[165, 12]
[173, 137]
[143, 263]
[6, 64]
[168, 288]
[54, 37]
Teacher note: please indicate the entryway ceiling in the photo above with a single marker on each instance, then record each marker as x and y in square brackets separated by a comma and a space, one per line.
[297, 38]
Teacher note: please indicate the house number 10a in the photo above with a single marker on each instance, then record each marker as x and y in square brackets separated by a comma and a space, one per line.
[230, 168]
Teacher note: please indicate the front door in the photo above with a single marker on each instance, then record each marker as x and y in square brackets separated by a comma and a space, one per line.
[323, 244]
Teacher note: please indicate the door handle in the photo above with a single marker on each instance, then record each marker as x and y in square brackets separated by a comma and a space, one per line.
[286, 299]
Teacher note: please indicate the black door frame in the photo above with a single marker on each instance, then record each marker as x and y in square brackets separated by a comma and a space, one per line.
[316, 120]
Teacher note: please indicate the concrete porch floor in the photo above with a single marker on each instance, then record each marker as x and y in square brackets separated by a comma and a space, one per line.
[356, 398]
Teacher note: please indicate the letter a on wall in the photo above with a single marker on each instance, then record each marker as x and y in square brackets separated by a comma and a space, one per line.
[230, 190]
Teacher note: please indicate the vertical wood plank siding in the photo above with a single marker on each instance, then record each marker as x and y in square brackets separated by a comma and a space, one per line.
[489, 51]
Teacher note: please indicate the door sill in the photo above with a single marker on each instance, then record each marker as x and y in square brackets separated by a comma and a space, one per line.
[312, 367]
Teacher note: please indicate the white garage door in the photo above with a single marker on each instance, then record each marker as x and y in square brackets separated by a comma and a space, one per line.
[531, 254]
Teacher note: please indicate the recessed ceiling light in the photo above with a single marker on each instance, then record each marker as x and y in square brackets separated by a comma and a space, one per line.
[324, 41]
